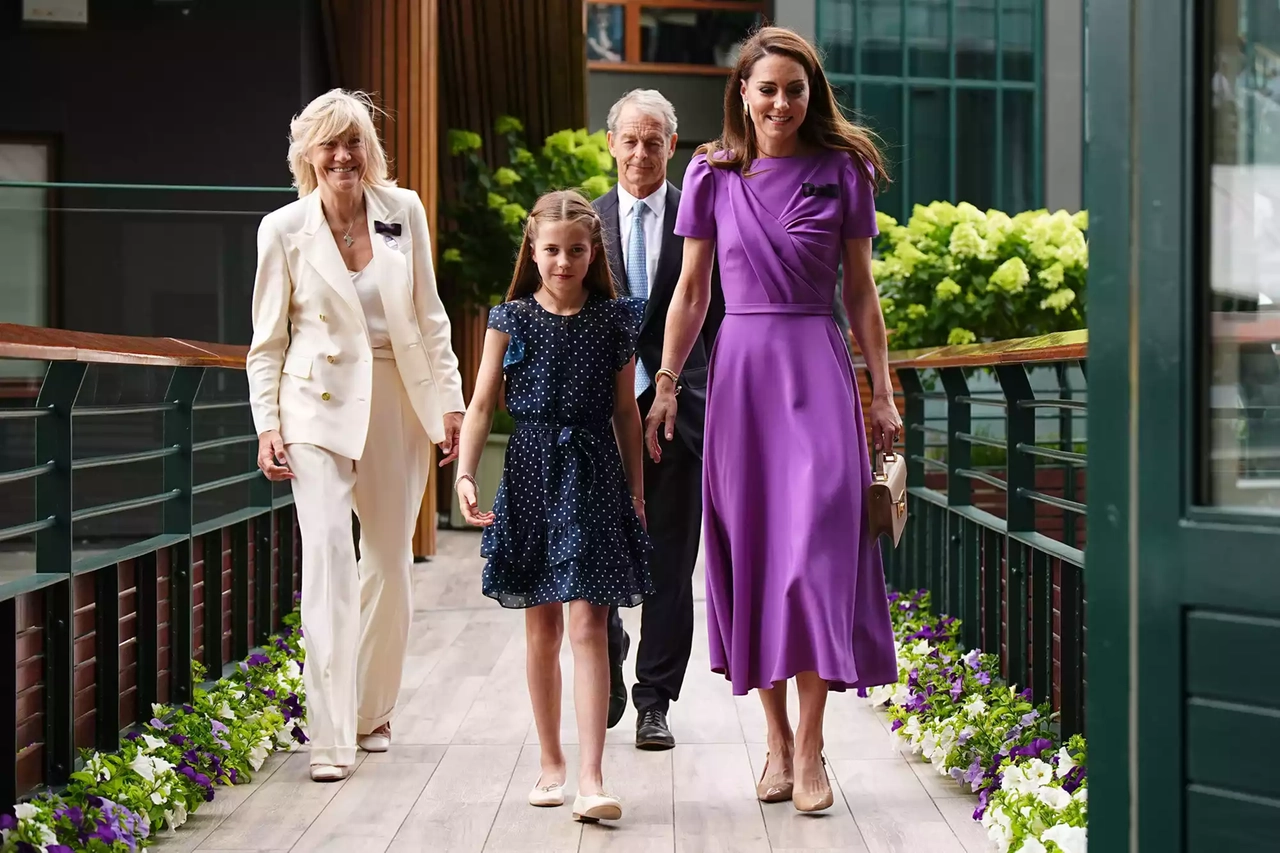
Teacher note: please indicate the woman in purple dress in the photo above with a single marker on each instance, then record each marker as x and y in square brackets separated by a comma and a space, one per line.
[795, 586]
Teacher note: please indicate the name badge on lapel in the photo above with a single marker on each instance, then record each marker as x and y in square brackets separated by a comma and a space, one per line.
[389, 231]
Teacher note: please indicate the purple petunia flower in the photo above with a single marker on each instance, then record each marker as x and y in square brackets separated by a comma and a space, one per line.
[897, 724]
[179, 740]
[1030, 717]
[984, 678]
[258, 659]
[158, 724]
[187, 709]
[219, 727]
[133, 736]
[957, 687]
[8, 821]
[299, 735]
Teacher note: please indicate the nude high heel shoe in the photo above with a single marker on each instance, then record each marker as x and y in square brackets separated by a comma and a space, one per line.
[773, 792]
[815, 802]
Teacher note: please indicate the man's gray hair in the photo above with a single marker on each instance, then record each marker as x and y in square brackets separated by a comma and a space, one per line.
[651, 102]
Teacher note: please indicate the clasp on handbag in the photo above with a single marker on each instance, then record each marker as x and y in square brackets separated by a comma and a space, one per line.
[901, 506]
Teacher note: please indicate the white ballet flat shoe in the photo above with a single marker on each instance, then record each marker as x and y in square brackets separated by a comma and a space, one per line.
[328, 772]
[544, 796]
[378, 740]
[596, 807]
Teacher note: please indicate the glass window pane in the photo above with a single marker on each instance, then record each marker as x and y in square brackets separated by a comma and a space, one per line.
[976, 147]
[1243, 394]
[879, 36]
[835, 35]
[975, 35]
[693, 36]
[881, 110]
[928, 165]
[1017, 39]
[1019, 162]
[927, 32]
[606, 37]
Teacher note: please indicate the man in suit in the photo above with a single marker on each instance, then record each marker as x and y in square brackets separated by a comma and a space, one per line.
[645, 256]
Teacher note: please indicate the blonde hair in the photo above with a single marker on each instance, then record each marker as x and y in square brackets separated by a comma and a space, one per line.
[562, 206]
[333, 115]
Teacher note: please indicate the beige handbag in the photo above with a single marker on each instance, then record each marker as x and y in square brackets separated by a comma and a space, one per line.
[887, 496]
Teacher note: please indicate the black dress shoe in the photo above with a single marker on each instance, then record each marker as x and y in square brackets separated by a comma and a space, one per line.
[617, 695]
[617, 686]
[652, 731]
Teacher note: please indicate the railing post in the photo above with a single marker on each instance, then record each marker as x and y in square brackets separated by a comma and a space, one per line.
[54, 556]
[178, 474]
[961, 581]
[1020, 516]
[911, 548]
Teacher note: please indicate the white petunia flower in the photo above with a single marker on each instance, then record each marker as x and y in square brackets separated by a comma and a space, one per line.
[25, 811]
[1031, 845]
[143, 767]
[153, 743]
[921, 648]
[976, 707]
[226, 713]
[1081, 795]
[1071, 839]
[1065, 763]
[1054, 797]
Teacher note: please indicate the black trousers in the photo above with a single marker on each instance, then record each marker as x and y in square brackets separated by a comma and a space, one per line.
[673, 509]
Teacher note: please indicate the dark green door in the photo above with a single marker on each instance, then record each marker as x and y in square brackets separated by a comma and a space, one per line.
[1183, 566]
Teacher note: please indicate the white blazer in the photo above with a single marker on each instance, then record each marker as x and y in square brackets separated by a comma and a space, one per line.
[310, 365]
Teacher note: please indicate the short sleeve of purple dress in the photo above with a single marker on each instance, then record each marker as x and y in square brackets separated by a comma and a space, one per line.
[794, 580]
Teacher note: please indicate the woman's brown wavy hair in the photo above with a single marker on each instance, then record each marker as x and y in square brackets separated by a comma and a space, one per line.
[562, 206]
[824, 124]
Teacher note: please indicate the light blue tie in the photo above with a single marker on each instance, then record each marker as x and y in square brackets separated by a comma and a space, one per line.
[638, 277]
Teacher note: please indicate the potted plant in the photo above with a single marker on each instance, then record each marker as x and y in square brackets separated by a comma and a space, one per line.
[955, 275]
[488, 215]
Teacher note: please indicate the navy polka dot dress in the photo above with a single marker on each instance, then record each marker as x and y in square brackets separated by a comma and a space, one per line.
[565, 526]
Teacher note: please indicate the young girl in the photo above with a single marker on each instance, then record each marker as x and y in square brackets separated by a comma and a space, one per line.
[568, 521]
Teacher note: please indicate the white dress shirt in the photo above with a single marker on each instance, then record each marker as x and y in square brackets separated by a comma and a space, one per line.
[657, 204]
[375, 315]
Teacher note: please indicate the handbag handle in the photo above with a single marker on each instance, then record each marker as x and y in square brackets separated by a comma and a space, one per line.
[881, 458]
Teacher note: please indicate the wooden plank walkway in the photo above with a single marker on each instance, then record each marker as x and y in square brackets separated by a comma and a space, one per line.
[465, 755]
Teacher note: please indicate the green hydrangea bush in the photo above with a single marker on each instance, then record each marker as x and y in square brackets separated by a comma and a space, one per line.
[955, 275]
[487, 218]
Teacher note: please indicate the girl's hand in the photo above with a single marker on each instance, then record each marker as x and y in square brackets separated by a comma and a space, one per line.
[662, 416]
[468, 503]
[271, 458]
[638, 503]
[886, 426]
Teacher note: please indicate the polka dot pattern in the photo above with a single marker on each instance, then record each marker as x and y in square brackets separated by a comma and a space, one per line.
[565, 526]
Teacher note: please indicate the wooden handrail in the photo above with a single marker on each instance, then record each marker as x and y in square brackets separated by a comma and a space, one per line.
[34, 342]
[1058, 346]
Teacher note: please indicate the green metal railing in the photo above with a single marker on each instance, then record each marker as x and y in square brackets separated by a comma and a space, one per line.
[998, 543]
[92, 617]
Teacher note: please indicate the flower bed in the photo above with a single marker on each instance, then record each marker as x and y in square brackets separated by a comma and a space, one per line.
[173, 764]
[954, 711]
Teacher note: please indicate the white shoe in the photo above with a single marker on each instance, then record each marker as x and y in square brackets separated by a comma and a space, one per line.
[547, 795]
[378, 740]
[596, 807]
[328, 772]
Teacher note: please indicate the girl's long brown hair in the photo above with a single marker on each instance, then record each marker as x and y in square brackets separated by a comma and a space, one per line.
[562, 206]
[824, 124]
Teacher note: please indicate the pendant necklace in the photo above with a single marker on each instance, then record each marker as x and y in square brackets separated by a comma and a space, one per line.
[347, 238]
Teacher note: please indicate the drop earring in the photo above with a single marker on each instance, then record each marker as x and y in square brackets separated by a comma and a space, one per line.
[745, 111]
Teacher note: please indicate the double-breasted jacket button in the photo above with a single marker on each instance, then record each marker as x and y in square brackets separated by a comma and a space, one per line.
[330, 359]
[324, 396]
[323, 319]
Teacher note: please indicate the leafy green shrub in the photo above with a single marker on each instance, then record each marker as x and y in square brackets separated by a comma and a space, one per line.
[489, 214]
[956, 275]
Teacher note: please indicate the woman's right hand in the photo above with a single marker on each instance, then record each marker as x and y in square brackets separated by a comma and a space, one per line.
[468, 502]
[662, 417]
[271, 458]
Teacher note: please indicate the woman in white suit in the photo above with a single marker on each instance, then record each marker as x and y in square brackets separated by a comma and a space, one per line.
[351, 375]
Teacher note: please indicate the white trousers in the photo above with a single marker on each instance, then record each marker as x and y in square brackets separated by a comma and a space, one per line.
[355, 617]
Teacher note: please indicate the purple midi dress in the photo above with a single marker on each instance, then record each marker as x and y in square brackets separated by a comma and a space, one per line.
[794, 580]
